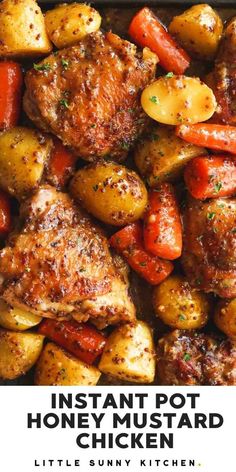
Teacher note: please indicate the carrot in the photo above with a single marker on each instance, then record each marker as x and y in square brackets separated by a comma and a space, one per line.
[82, 340]
[162, 224]
[5, 214]
[219, 137]
[10, 93]
[147, 31]
[61, 164]
[211, 177]
[128, 242]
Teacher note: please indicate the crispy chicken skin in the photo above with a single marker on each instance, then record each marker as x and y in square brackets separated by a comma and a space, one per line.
[57, 260]
[192, 358]
[209, 256]
[89, 95]
[224, 77]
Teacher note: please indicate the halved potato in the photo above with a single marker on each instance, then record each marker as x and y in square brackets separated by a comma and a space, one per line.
[16, 319]
[58, 367]
[162, 156]
[178, 99]
[129, 353]
[199, 30]
[22, 29]
[23, 153]
[18, 352]
[67, 24]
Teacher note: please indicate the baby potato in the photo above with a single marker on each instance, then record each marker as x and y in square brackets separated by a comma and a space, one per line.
[198, 30]
[16, 319]
[111, 192]
[225, 317]
[58, 367]
[67, 24]
[178, 305]
[178, 99]
[23, 153]
[129, 353]
[162, 156]
[18, 352]
[22, 29]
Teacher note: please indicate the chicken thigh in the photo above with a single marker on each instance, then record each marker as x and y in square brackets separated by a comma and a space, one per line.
[89, 95]
[58, 259]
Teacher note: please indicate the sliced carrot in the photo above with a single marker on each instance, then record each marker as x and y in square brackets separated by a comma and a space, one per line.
[162, 224]
[82, 340]
[219, 137]
[128, 242]
[147, 31]
[11, 80]
[61, 164]
[211, 177]
[5, 213]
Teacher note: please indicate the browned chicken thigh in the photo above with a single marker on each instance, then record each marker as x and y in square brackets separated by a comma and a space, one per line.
[224, 77]
[89, 95]
[57, 260]
[192, 358]
[209, 257]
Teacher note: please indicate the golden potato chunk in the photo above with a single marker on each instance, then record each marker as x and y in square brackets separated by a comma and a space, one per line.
[22, 29]
[199, 30]
[23, 154]
[67, 24]
[111, 192]
[58, 367]
[173, 100]
[129, 354]
[16, 319]
[18, 352]
[225, 317]
[162, 156]
[178, 305]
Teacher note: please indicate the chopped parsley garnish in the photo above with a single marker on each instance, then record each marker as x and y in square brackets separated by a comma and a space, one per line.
[65, 63]
[154, 99]
[169, 75]
[42, 67]
[27, 269]
[143, 264]
[187, 357]
[124, 145]
[182, 317]
[218, 187]
[93, 125]
[95, 188]
[211, 215]
[64, 103]
[233, 230]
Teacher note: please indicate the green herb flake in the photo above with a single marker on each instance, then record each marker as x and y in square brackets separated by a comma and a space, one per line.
[65, 64]
[27, 269]
[95, 188]
[124, 145]
[93, 125]
[182, 317]
[233, 230]
[154, 99]
[64, 103]
[217, 187]
[154, 137]
[42, 67]
[143, 264]
[211, 215]
[169, 75]
[187, 357]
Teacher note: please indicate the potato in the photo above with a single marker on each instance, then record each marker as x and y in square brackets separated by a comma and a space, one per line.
[18, 352]
[178, 99]
[162, 156]
[225, 317]
[129, 354]
[22, 29]
[180, 306]
[110, 192]
[16, 319]
[198, 30]
[67, 24]
[23, 153]
[58, 367]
